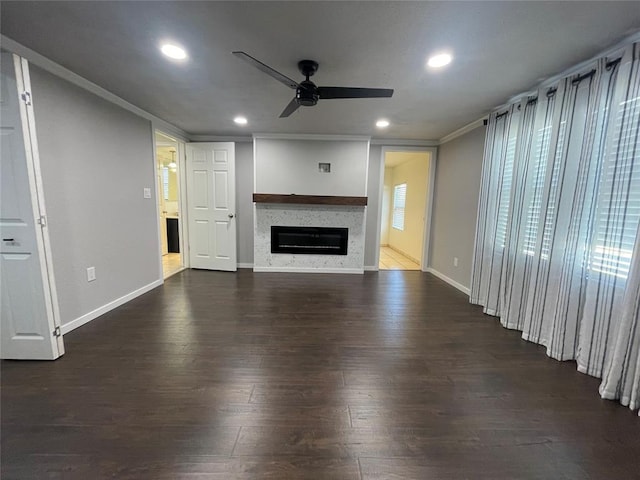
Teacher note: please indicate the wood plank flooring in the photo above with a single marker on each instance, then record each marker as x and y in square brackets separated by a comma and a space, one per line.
[388, 375]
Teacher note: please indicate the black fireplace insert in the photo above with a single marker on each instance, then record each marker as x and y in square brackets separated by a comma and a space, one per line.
[309, 240]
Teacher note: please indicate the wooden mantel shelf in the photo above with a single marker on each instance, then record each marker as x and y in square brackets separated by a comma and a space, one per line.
[310, 199]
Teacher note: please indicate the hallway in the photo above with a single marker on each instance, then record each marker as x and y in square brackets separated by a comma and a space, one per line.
[391, 259]
[171, 264]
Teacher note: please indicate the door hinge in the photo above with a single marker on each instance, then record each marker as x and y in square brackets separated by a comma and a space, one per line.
[42, 221]
[57, 332]
[26, 97]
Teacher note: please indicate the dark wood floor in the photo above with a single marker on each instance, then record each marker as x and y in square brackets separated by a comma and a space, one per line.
[246, 376]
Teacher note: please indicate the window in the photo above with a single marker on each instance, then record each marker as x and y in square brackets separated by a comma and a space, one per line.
[549, 219]
[399, 200]
[540, 159]
[619, 202]
[165, 183]
[505, 192]
[534, 213]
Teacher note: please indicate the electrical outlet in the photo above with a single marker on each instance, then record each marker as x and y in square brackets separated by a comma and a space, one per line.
[455, 261]
[91, 274]
[146, 192]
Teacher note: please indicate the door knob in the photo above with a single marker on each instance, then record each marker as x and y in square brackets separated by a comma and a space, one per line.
[230, 215]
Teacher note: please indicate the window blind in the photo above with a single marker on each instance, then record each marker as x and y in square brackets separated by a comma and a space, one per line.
[399, 201]
[619, 205]
[505, 192]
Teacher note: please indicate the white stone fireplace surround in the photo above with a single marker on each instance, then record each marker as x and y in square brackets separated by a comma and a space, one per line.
[309, 181]
[268, 215]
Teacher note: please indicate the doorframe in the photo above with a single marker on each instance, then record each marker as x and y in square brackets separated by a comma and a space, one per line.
[428, 210]
[36, 190]
[183, 232]
[182, 204]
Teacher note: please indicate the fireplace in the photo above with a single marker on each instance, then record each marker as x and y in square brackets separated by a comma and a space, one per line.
[309, 240]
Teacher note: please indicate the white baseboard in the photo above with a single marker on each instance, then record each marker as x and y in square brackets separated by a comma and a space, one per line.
[245, 265]
[450, 281]
[87, 317]
[371, 268]
[309, 270]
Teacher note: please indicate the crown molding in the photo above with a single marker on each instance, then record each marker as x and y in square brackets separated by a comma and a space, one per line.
[220, 138]
[462, 131]
[310, 136]
[58, 70]
[399, 142]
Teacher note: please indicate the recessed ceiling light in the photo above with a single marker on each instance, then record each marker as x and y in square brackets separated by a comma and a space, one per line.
[382, 123]
[173, 51]
[440, 60]
[240, 120]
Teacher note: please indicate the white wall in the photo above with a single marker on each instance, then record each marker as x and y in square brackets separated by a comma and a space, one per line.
[456, 204]
[376, 162]
[244, 201]
[96, 158]
[414, 173]
[285, 166]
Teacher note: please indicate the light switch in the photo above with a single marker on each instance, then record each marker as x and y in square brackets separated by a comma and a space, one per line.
[91, 274]
[147, 193]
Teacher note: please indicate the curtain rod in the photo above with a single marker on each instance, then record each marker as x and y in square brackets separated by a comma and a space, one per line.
[502, 114]
[613, 63]
[580, 78]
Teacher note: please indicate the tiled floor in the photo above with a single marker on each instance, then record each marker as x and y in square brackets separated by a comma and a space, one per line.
[392, 260]
[171, 263]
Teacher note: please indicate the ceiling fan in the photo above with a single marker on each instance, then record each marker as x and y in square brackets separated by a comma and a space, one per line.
[307, 93]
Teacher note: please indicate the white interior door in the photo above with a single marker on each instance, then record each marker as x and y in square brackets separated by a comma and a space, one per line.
[29, 307]
[211, 204]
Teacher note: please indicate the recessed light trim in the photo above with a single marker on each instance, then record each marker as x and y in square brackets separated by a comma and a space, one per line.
[241, 120]
[439, 60]
[173, 51]
[382, 123]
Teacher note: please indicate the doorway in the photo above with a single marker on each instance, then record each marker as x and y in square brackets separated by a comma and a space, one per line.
[168, 188]
[406, 187]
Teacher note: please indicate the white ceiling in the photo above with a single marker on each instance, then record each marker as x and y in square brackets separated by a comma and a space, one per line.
[500, 49]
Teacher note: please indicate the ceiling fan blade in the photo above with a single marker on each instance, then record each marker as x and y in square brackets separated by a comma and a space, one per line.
[289, 109]
[351, 92]
[267, 69]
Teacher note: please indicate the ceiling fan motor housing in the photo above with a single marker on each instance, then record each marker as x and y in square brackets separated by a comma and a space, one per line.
[307, 94]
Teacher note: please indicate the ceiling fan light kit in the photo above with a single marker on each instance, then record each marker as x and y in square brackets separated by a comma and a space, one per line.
[307, 93]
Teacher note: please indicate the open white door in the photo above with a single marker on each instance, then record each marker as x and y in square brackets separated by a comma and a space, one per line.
[28, 315]
[211, 200]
